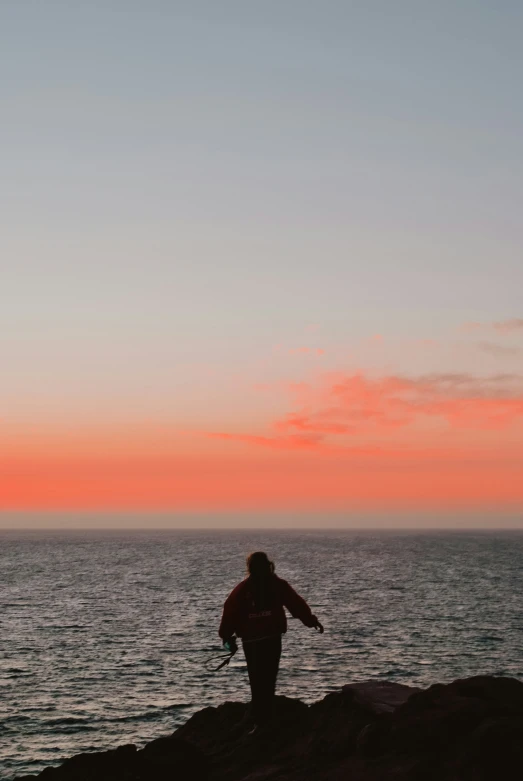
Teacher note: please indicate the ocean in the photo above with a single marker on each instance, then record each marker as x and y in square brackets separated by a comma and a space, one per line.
[104, 635]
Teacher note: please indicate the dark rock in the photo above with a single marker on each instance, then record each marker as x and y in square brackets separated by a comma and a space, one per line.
[222, 733]
[443, 716]
[469, 730]
[493, 750]
[118, 763]
[165, 759]
[372, 739]
[379, 696]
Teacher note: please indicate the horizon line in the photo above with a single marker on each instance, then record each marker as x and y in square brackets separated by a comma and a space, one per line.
[261, 529]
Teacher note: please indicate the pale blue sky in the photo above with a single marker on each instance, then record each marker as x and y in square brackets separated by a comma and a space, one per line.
[187, 185]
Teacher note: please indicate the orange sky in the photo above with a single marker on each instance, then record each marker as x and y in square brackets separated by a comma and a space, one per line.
[348, 441]
[424, 480]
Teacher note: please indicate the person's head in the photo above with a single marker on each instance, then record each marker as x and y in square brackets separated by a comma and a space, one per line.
[259, 565]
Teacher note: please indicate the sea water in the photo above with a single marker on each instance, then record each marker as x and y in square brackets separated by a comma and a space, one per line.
[104, 636]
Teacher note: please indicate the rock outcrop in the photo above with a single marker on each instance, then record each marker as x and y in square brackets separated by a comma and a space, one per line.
[469, 730]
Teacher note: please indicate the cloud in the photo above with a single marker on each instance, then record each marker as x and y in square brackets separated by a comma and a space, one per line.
[498, 350]
[395, 401]
[425, 342]
[509, 326]
[295, 421]
[306, 351]
[473, 326]
[288, 442]
[356, 405]
[314, 442]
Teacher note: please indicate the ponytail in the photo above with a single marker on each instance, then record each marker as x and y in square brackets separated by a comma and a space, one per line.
[261, 572]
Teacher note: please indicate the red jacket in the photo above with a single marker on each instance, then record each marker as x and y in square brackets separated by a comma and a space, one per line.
[240, 616]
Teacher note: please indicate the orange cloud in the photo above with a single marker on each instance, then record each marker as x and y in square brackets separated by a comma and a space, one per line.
[304, 423]
[356, 404]
[508, 326]
[290, 442]
[355, 415]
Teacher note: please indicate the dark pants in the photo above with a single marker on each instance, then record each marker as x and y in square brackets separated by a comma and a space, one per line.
[263, 660]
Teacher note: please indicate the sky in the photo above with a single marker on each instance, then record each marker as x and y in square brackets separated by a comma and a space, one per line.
[261, 260]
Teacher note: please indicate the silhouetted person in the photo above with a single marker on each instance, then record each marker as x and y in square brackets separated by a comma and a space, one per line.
[255, 612]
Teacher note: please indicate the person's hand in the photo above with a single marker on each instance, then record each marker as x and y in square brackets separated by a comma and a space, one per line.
[319, 627]
[231, 645]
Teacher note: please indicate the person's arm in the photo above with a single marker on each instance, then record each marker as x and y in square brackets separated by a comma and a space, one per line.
[228, 624]
[297, 606]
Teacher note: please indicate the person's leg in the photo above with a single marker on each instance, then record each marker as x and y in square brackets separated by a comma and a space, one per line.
[253, 658]
[270, 666]
[263, 659]
[264, 662]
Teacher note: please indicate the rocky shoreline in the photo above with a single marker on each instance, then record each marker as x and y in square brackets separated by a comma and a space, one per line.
[468, 730]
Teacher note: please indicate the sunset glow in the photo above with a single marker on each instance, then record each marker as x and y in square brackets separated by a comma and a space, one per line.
[240, 282]
[350, 443]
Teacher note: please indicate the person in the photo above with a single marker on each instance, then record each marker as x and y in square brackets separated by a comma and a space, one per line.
[254, 611]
